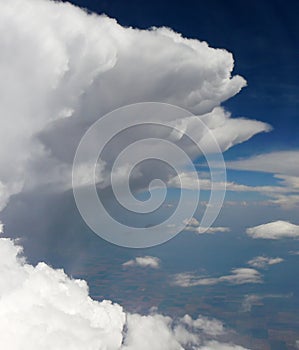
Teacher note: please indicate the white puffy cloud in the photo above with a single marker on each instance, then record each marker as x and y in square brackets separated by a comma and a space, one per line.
[274, 230]
[237, 276]
[144, 261]
[209, 326]
[62, 68]
[158, 332]
[42, 308]
[193, 225]
[264, 261]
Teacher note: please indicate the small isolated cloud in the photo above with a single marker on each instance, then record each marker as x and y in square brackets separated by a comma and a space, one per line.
[193, 225]
[144, 261]
[294, 252]
[42, 308]
[262, 262]
[193, 222]
[251, 300]
[237, 276]
[274, 230]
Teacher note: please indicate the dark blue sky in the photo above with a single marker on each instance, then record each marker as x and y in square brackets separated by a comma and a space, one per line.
[263, 36]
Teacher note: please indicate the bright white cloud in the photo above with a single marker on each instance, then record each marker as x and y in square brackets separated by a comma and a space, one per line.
[274, 230]
[144, 261]
[262, 262]
[237, 276]
[69, 67]
[42, 308]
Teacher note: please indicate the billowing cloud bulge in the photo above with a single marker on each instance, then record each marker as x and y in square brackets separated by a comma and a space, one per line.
[62, 69]
[42, 308]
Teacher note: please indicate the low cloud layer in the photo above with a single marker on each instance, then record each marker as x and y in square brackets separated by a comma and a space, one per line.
[42, 308]
[143, 261]
[274, 230]
[237, 276]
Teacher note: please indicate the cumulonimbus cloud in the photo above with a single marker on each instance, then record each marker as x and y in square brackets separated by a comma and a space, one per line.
[62, 69]
[274, 230]
[42, 308]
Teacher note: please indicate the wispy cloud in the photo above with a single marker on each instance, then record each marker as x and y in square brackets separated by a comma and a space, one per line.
[251, 300]
[262, 262]
[207, 184]
[193, 225]
[284, 167]
[281, 162]
[237, 276]
[294, 252]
